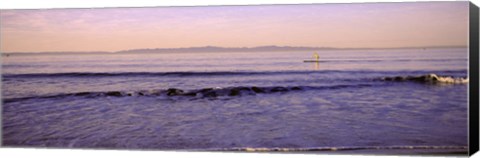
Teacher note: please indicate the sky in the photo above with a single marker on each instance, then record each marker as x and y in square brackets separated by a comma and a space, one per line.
[360, 25]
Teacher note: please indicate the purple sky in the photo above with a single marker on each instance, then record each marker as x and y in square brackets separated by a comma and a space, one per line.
[377, 25]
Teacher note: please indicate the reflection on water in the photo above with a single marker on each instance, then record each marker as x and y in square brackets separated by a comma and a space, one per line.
[317, 118]
[83, 100]
[388, 60]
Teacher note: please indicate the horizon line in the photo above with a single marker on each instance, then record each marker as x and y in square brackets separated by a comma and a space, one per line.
[210, 46]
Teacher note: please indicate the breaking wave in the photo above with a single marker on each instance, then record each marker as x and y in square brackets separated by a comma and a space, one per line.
[252, 90]
[430, 78]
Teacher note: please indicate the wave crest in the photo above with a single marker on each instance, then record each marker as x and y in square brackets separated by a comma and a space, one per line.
[430, 78]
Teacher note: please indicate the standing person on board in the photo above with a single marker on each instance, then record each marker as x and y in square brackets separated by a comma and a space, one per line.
[316, 56]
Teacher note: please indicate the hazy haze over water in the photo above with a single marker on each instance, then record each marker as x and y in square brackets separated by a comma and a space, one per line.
[374, 25]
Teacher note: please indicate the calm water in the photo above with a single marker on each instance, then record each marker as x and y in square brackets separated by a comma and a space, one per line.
[234, 100]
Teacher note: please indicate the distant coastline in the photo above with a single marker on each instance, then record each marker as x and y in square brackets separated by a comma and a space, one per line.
[214, 49]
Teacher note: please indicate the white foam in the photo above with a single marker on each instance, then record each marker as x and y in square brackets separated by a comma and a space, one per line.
[449, 80]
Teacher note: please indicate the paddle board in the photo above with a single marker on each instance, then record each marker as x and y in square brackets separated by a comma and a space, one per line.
[315, 61]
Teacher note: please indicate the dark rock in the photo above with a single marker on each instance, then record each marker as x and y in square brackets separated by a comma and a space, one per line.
[190, 94]
[296, 88]
[258, 90]
[114, 93]
[425, 78]
[234, 92]
[82, 94]
[205, 90]
[237, 91]
[279, 89]
[399, 78]
[244, 88]
[174, 91]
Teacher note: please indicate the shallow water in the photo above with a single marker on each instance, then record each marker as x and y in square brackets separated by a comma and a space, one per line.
[94, 101]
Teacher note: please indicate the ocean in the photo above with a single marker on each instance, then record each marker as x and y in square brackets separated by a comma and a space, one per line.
[237, 101]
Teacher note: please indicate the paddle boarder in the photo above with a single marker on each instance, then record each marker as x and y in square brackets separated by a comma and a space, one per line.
[316, 56]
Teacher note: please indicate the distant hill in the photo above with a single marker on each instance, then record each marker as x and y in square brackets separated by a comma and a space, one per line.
[224, 49]
[258, 49]
[56, 53]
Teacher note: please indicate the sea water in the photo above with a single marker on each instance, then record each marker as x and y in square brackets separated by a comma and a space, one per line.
[235, 100]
